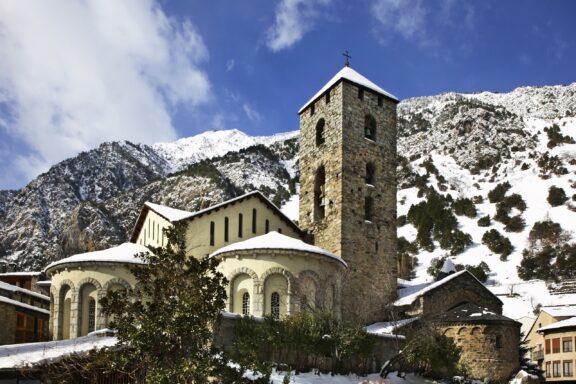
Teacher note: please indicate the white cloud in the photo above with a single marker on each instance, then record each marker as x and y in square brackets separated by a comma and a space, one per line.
[251, 113]
[407, 17]
[76, 73]
[230, 64]
[293, 19]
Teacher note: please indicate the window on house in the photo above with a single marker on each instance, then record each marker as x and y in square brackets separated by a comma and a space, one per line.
[360, 93]
[568, 368]
[153, 230]
[368, 208]
[279, 230]
[254, 220]
[556, 345]
[267, 229]
[380, 101]
[548, 369]
[547, 346]
[226, 227]
[312, 109]
[245, 303]
[212, 230]
[556, 368]
[91, 315]
[567, 344]
[240, 223]
[320, 131]
[327, 97]
[144, 236]
[320, 194]
[370, 171]
[370, 127]
[275, 305]
[498, 341]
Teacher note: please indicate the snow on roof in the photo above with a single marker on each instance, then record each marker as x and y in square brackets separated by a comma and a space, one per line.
[571, 322]
[275, 240]
[448, 266]
[24, 305]
[388, 327]
[20, 274]
[124, 253]
[561, 311]
[14, 288]
[172, 214]
[411, 298]
[353, 76]
[22, 355]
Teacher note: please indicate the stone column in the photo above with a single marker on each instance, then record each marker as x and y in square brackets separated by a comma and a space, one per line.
[74, 315]
[101, 320]
[258, 300]
[56, 321]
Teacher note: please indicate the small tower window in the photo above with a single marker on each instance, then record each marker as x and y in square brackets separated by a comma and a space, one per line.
[267, 226]
[370, 171]
[380, 101]
[498, 341]
[254, 220]
[370, 127]
[312, 109]
[361, 93]
[245, 303]
[327, 97]
[226, 226]
[240, 223]
[212, 230]
[320, 195]
[320, 131]
[368, 208]
[275, 305]
[91, 315]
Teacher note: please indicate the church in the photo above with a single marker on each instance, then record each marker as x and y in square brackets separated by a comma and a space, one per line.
[341, 257]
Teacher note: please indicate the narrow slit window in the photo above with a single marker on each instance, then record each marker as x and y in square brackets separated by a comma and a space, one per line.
[320, 195]
[267, 229]
[312, 109]
[212, 230]
[91, 315]
[320, 132]
[360, 93]
[368, 208]
[370, 127]
[226, 227]
[240, 223]
[370, 172]
[254, 220]
[380, 101]
[275, 305]
[245, 303]
[327, 97]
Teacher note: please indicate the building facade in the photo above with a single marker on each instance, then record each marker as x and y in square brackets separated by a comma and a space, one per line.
[559, 354]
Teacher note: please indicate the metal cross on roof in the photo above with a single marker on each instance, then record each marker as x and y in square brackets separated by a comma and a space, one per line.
[348, 57]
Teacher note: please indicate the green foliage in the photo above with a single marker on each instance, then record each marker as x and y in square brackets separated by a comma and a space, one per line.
[556, 138]
[433, 219]
[549, 263]
[556, 196]
[484, 221]
[401, 221]
[428, 164]
[546, 233]
[513, 201]
[464, 206]
[480, 271]
[497, 194]
[503, 209]
[435, 266]
[430, 354]
[165, 327]
[405, 253]
[515, 224]
[298, 341]
[551, 164]
[497, 243]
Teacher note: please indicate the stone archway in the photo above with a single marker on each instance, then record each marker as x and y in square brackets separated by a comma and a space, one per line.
[280, 281]
[88, 306]
[250, 284]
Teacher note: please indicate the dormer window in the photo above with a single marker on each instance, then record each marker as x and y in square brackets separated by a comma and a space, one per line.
[370, 127]
[320, 132]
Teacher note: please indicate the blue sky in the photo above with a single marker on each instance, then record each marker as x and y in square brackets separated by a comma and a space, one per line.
[76, 73]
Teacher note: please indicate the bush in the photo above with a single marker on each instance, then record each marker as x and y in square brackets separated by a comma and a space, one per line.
[550, 263]
[401, 221]
[515, 224]
[484, 221]
[497, 194]
[464, 206]
[556, 196]
[513, 201]
[480, 271]
[556, 138]
[497, 243]
[545, 233]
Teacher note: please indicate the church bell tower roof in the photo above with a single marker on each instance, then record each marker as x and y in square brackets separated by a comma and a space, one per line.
[347, 73]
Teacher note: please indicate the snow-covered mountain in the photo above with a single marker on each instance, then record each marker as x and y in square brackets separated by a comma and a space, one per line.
[462, 145]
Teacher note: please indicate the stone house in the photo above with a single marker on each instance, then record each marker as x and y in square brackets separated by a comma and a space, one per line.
[24, 315]
[462, 308]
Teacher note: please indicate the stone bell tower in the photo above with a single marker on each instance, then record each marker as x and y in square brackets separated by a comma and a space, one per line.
[348, 187]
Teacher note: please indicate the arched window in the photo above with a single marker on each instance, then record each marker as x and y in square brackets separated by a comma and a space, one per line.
[368, 208]
[275, 305]
[320, 131]
[320, 194]
[370, 172]
[370, 127]
[246, 303]
[91, 315]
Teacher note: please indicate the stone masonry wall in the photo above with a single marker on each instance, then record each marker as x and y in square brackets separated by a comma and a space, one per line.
[483, 356]
[462, 289]
[369, 247]
[8, 321]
